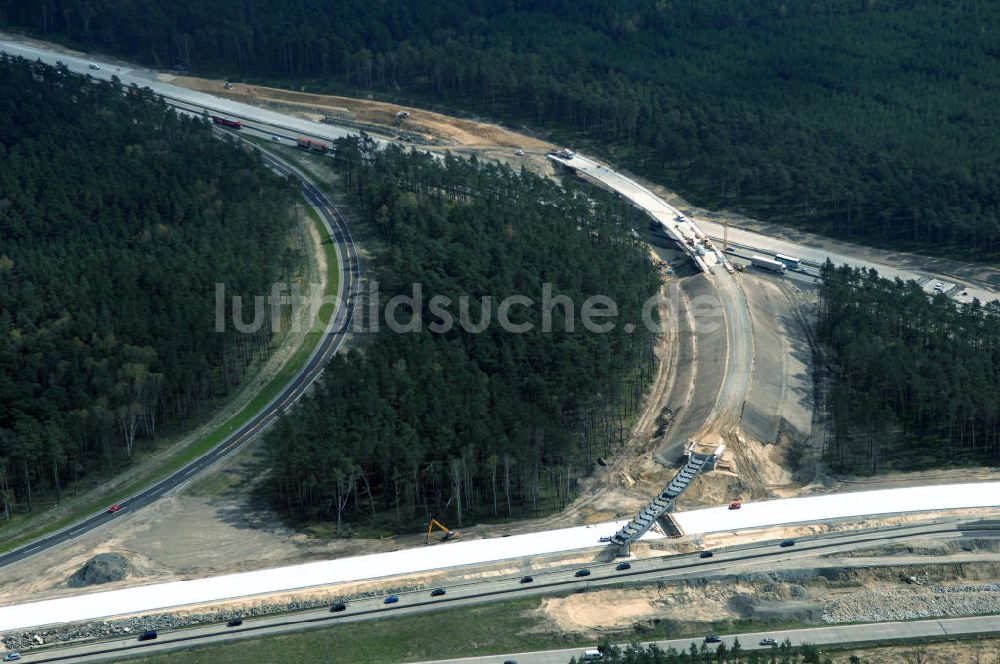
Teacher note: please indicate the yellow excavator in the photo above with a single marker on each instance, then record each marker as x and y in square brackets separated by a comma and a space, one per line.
[448, 534]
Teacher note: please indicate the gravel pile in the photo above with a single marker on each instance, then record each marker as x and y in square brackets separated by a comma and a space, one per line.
[167, 621]
[888, 604]
[102, 568]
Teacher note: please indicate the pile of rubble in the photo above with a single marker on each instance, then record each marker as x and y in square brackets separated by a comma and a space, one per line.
[913, 602]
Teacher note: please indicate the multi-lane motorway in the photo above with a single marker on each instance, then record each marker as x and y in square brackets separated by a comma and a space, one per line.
[267, 122]
[766, 555]
[839, 636]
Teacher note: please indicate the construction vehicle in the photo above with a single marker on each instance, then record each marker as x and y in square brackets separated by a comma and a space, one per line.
[448, 534]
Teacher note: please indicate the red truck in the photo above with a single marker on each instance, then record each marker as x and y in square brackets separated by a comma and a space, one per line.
[311, 145]
[224, 122]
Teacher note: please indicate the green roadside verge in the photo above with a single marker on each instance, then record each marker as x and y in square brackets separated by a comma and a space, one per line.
[491, 629]
[205, 444]
[475, 630]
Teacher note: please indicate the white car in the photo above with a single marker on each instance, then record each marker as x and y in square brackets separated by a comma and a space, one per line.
[520, 153]
[94, 66]
[276, 138]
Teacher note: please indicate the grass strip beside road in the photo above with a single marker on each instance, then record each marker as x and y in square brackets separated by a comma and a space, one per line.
[205, 444]
[493, 629]
[476, 630]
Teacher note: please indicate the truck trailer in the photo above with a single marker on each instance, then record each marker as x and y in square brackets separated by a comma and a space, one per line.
[226, 122]
[311, 145]
[768, 264]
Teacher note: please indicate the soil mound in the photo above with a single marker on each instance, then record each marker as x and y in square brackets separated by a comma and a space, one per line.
[102, 568]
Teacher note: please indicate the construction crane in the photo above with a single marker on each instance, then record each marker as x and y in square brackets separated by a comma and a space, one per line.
[448, 534]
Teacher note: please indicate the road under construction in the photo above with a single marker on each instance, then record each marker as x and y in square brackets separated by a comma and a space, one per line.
[708, 438]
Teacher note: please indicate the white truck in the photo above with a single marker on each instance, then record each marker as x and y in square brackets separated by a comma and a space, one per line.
[768, 264]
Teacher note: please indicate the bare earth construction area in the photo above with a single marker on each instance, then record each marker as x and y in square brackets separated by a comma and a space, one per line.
[736, 367]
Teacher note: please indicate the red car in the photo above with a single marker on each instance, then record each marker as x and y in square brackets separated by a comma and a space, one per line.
[735, 505]
[114, 508]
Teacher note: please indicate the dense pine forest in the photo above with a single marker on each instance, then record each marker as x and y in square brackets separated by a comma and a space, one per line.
[479, 420]
[117, 219]
[720, 654]
[870, 120]
[917, 379]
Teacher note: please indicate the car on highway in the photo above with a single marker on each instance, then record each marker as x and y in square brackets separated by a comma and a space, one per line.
[148, 635]
[276, 138]
[582, 572]
[235, 622]
[114, 508]
[94, 66]
[391, 599]
[735, 505]
[713, 639]
[339, 606]
[767, 641]
[520, 153]
[437, 592]
[510, 661]
[788, 543]
[705, 554]
[605, 539]
[12, 657]
[623, 566]
[527, 579]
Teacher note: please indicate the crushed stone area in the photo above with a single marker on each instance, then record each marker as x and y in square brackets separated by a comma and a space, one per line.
[913, 602]
[170, 621]
[806, 594]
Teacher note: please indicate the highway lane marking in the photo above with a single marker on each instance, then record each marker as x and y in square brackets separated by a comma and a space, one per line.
[274, 623]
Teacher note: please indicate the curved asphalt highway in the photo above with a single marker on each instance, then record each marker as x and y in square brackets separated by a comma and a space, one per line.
[330, 343]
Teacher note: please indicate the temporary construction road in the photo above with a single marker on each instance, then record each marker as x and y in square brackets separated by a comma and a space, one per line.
[155, 597]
